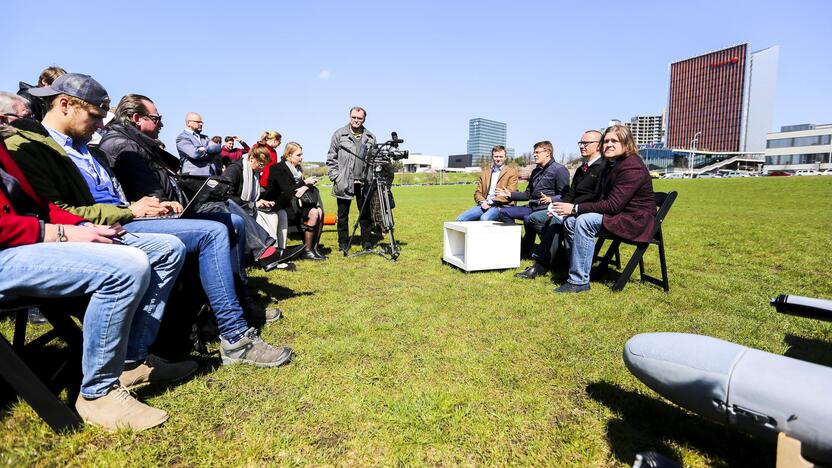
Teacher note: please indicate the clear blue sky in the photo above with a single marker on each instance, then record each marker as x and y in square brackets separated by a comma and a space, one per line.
[547, 69]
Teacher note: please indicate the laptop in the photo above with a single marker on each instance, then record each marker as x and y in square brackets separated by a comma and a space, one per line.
[199, 198]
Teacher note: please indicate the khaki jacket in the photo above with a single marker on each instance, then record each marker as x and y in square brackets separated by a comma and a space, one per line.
[507, 180]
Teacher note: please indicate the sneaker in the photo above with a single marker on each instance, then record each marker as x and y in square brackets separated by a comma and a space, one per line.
[251, 349]
[572, 288]
[155, 370]
[119, 410]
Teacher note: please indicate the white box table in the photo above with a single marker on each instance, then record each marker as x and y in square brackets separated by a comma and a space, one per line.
[482, 245]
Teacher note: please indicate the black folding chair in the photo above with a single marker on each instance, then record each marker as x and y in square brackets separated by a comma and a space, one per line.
[612, 256]
[17, 370]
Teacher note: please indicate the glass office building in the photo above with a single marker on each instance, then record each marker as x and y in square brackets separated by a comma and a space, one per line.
[484, 134]
[799, 147]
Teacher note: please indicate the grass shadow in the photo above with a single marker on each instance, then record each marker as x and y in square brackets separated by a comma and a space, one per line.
[809, 349]
[646, 423]
[260, 287]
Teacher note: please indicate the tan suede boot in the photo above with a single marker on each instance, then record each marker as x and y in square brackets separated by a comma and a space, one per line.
[119, 410]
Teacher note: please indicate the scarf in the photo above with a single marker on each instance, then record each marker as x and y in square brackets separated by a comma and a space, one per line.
[251, 188]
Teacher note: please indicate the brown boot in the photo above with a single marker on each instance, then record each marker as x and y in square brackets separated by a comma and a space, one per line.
[155, 370]
[119, 410]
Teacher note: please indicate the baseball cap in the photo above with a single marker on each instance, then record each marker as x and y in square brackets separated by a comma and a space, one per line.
[84, 87]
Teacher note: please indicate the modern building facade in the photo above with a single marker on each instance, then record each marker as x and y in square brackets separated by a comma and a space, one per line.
[723, 100]
[458, 161]
[647, 129]
[799, 147]
[483, 134]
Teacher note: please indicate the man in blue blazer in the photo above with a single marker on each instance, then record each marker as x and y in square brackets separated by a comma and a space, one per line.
[196, 151]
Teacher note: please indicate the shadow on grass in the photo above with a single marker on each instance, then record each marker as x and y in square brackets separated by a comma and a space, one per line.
[645, 423]
[259, 287]
[55, 366]
[809, 349]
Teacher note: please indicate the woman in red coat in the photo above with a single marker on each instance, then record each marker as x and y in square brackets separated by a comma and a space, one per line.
[271, 140]
[627, 207]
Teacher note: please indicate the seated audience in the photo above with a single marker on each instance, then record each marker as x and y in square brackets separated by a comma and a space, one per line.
[498, 176]
[243, 174]
[586, 187]
[627, 208]
[62, 169]
[271, 140]
[548, 182]
[299, 197]
[229, 153]
[47, 252]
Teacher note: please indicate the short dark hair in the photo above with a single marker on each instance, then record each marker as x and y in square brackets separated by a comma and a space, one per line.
[130, 105]
[547, 145]
[229, 138]
[359, 108]
[497, 148]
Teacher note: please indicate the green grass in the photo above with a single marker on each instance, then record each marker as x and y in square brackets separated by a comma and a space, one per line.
[418, 363]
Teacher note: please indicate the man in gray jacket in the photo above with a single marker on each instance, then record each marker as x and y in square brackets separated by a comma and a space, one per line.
[348, 175]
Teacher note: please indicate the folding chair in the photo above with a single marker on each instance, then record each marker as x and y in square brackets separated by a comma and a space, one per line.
[18, 373]
[612, 256]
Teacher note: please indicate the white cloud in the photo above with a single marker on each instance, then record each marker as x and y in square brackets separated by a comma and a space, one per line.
[324, 74]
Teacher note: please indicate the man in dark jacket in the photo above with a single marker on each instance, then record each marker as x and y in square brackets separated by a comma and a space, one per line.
[586, 186]
[548, 183]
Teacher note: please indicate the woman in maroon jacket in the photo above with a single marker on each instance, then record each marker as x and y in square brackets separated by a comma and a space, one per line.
[627, 207]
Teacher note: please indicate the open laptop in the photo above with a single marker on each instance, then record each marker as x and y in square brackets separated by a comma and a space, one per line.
[199, 198]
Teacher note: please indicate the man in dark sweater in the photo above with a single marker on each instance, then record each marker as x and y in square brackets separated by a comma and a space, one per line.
[586, 186]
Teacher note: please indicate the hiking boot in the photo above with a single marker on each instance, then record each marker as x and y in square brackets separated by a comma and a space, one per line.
[251, 349]
[119, 410]
[155, 370]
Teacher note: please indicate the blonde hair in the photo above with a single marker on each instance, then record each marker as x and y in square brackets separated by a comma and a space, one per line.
[269, 134]
[291, 148]
[625, 136]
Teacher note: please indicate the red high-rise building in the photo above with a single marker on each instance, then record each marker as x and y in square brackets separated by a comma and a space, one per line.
[706, 95]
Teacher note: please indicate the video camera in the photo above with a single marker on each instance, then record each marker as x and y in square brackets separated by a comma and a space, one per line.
[384, 153]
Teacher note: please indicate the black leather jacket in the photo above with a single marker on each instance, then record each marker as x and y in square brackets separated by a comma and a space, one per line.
[141, 165]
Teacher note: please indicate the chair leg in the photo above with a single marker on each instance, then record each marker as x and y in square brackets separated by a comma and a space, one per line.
[663, 262]
[21, 378]
[624, 277]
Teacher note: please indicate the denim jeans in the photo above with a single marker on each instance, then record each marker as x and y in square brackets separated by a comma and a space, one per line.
[250, 238]
[116, 277]
[579, 236]
[166, 254]
[477, 214]
[209, 240]
[550, 229]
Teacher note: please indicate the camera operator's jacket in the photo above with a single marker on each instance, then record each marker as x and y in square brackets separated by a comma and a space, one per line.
[340, 162]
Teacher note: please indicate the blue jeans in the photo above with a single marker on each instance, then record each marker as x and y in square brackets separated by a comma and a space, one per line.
[579, 236]
[477, 214]
[115, 276]
[209, 240]
[166, 254]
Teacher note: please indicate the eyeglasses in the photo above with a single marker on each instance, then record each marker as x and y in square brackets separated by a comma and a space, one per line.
[197, 121]
[155, 118]
[587, 143]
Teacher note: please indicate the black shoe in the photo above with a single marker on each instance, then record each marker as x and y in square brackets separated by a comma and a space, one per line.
[572, 288]
[367, 245]
[532, 272]
[318, 254]
[310, 255]
[342, 247]
[290, 253]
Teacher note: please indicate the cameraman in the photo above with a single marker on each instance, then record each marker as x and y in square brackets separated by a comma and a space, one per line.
[348, 174]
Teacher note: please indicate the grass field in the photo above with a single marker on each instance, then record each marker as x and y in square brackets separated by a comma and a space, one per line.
[418, 363]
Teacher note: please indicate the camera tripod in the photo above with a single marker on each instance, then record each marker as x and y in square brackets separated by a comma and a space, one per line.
[376, 199]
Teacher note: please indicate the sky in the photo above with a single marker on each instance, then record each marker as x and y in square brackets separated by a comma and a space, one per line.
[550, 70]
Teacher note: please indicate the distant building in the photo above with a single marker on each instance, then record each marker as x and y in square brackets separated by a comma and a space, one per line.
[726, 97]
[796, 147]
[647, 129]
[483, 134]
[460, 160]
[423, 162]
